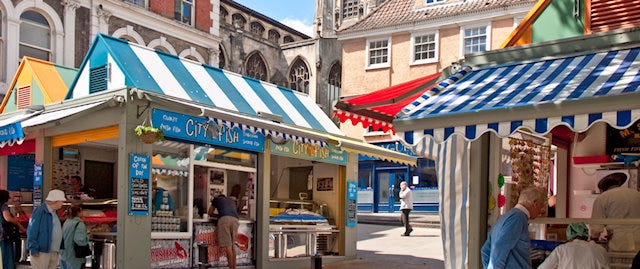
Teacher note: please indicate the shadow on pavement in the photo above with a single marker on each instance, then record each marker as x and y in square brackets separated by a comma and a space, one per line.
[369, 260]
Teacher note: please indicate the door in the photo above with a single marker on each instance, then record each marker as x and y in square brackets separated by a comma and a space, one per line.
[99, 176]
[389, 188]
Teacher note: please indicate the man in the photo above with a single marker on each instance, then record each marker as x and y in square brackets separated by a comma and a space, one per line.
[618, 203]
[508, 243]
[227, 227]
[578, 253]
[78, 187]
[44, 233]
[406, 205]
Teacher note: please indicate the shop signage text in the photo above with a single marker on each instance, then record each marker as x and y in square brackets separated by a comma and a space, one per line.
[11, 131]
[352, 205]
[139, 188]
[37, 184]
[623, 141]
[197, 129]
[395, 146]
[328, 154]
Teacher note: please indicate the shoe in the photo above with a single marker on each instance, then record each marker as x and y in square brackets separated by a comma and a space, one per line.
[404, 235]
[410, 230]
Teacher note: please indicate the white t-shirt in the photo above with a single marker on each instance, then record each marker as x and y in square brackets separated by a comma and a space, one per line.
[406, 199]
[578, 254]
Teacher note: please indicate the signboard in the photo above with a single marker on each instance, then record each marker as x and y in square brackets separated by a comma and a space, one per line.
[206, 234]
[37, 184]
[395, 146]
[623, 141]
[299, 150]
[139, 187]
[352, 206]
[169, 253]
[198, 129]
[20, 171]
[11, 131]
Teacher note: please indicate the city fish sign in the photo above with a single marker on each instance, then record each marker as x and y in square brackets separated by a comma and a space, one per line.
[198, 129]
[328, 154]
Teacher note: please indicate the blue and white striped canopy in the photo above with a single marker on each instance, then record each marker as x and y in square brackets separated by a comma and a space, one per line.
[131, 65]
[575, 91]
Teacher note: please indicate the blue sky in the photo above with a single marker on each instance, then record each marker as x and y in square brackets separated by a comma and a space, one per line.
[297, 14]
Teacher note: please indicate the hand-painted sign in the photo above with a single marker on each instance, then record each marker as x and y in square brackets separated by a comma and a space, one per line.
[37, 184]
[299, 150]
[198, 129]
[169, 253]
[11, 131]
[352, 206]
[139, 187]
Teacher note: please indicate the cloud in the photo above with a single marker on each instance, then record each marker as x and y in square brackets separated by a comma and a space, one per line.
[299, 26]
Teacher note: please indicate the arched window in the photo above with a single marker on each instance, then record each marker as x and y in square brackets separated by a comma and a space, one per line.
[223, 14]
[333, 91]
[35, 36]
[222, 61]
[274, 36]
[255, 67]
[257, 28]
[299, 76]
[287, 39]
[238, 21]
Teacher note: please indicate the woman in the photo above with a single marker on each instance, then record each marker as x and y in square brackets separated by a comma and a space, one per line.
[8, 258]
[578, 253]
[73, 230]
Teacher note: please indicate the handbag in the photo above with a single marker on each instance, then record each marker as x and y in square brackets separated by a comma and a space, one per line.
[81, 251]
[10, 231]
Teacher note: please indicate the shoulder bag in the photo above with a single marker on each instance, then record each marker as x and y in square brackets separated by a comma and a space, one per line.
[10, 231]
[81, 251]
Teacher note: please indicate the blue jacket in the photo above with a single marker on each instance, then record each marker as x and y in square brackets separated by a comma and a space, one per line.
[39, 230]
[508, 243]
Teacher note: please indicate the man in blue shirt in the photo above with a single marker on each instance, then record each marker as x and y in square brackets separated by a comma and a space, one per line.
[508, 243]
[227, 226]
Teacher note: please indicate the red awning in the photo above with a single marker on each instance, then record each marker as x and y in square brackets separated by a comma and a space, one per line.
[378, 108]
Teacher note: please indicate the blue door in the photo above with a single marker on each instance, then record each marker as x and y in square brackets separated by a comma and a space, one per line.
[388, 189]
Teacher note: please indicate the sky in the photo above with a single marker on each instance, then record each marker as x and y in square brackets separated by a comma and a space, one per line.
[297, 14]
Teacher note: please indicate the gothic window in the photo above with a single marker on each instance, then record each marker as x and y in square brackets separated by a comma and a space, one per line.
[223, 14]
[274, 36]
[299, 76]
[183, 11]
[256, 68]
[332, 93]
[35, 36]
[257, 28]
[238, 21]
[350, 9]
[222, 61]
[287, 39]
[335, 75]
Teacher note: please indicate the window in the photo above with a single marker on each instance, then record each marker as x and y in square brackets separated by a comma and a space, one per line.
[274, 36]
[333, 90]
[238, 21]
[350, 9]
[257, 28]
[223, 15]
[475, 39]
[169, 192]
[23, 97]
[35, 36]
[425, 47]
[433, 1]
[222, 61]
[299, 76]
[256, 68]
[140, 3]
[183, 11]
[378, 53]
[287, 39]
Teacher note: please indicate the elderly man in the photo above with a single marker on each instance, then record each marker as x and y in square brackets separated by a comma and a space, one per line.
[44, 234]
[508, 243]
[406, 205]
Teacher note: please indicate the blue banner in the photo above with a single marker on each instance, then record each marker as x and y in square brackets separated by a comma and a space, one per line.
[198, 129]
[11, 131]
[37, 184]
[352, 205]
[139, 187]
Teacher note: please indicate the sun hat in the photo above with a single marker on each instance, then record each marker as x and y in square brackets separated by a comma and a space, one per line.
[56, 195]
[577, 229]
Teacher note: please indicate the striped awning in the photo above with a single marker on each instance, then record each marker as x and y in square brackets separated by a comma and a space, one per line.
[575, 91]
[122, 64]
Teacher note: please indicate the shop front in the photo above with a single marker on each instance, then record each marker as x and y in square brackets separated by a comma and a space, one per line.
[537, 121]
[146, 201]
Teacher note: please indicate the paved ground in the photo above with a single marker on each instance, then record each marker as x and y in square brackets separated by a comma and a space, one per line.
[382, 247]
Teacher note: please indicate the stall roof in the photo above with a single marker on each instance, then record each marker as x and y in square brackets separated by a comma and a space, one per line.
[47, 83]
[378, 108]
[113, 63]
[575, 91]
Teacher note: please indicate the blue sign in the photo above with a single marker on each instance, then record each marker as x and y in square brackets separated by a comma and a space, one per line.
[198, 129]
[395, 146]
[11, 131]
[37, 184]
[352, 205]
[139, 187]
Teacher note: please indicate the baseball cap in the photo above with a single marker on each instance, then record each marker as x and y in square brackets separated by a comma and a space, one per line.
[56, 195]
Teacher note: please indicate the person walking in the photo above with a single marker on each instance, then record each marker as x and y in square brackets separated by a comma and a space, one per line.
[44, 234]
[578, 253]
[9, 237]
[406, 205]
[227, 227]
[73, 231]
[508, 243]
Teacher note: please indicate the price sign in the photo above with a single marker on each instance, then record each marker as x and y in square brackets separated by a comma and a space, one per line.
[37, 184]
[139, 188]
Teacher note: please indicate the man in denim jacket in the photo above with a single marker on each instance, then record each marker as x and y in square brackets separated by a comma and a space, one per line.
[44, 234]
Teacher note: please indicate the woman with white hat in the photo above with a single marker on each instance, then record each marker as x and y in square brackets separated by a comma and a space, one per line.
[44, 234]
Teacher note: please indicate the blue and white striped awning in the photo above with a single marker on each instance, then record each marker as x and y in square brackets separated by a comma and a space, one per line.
[575, 91]
[131, 65]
